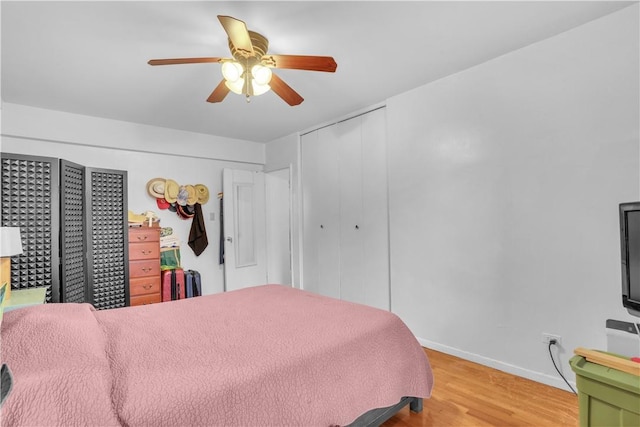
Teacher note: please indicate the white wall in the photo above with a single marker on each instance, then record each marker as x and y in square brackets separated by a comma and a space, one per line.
[280, 154]
[504, 184]
[138, 149]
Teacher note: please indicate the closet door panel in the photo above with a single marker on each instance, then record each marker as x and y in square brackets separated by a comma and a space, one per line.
[375, 241]
[73, 262]
[352, 285]
[30, 201]
[107, 238]
[329, 227]
[321, 212]
[312, 210]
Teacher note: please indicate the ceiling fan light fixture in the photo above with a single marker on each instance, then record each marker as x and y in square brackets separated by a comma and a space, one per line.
[235, 86]
[232, 71]
[261, 74]
[259, 89]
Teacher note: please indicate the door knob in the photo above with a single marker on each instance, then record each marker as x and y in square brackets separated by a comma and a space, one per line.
[229, 239]
[357, 227]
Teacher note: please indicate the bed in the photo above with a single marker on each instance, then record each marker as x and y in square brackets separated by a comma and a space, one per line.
[267, 355]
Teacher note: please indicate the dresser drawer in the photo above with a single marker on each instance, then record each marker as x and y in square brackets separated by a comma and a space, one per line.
[145, 299]
[144, 268]
[141, 235]
[144, 285]
[144, 250]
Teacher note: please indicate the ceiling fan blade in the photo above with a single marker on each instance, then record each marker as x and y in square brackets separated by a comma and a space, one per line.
[284, 91]
[219, 93]
[301, 62]
[238, 34]
[172, 61]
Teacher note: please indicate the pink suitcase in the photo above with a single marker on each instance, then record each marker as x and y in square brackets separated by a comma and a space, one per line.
[173, 285]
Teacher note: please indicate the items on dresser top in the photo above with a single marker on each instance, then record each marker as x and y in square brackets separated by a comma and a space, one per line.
[144, 265]
[168, 239]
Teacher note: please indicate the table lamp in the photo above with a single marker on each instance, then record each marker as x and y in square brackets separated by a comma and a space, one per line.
[10, 245]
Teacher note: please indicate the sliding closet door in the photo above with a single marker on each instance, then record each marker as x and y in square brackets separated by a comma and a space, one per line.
[364, 243]
[30, 201]
[352, 283]
[345, 215]
[321, 207]
[73, 265]
[375, 212]
[107, 239]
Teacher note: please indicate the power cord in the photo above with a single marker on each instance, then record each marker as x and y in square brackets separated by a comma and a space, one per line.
[554, 342]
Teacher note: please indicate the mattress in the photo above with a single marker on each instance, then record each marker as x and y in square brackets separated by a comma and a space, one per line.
[267, 355]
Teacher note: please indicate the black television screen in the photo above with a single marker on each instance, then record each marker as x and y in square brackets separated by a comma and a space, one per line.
[630, 251]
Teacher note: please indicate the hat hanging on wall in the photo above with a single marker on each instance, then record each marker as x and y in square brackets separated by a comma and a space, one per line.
[185, 213]
[171, 190]
[192, 195]
[183, 195]
[181, 199]
[155, 187]
[202, 193]
[162, 203]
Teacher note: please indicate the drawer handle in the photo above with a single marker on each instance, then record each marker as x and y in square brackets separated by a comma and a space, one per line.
[142, 237]
[146, 252]
[146, 269]
[147, 286]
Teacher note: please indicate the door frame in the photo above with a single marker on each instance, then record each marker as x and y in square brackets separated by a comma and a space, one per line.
[268, 206]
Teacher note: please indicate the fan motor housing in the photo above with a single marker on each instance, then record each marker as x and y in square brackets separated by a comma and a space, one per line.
[260, 47]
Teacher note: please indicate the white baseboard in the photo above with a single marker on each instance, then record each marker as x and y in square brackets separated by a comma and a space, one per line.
[556, 382]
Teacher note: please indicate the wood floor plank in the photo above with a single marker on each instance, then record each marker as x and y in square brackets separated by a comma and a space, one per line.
[467, 394]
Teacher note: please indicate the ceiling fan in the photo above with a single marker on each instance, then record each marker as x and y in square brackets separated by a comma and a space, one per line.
[249, 71]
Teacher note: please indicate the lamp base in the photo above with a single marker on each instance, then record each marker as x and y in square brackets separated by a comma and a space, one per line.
[5, 275]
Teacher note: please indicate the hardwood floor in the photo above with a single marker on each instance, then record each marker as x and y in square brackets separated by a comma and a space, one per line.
[469, 394]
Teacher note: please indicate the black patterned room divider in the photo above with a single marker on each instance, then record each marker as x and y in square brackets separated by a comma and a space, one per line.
[30, 201]
[73, 226]
[107, 218]
[73, 266]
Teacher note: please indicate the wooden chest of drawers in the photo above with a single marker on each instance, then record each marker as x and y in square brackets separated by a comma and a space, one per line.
[144, 265]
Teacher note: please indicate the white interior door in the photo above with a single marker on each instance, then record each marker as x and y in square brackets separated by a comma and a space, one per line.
[245, 261]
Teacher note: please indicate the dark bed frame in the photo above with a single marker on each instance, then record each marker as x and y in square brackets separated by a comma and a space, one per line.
[376, 417]
[372, 418]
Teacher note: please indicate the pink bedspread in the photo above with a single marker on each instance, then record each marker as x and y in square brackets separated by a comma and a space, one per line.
[269, 355]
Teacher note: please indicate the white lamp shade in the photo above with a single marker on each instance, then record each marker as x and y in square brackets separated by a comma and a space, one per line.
[231, 71]
[259, 89]
[261, 74]
[236, 86]
[10, 241]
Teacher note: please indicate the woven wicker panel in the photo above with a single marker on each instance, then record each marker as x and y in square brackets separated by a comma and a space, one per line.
[29, 185]
[73, 261]
[108, 228]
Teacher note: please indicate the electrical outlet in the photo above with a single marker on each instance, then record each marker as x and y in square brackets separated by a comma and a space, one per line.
[546, 338]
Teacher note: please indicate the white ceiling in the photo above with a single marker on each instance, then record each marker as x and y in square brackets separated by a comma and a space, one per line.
[91, 57]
